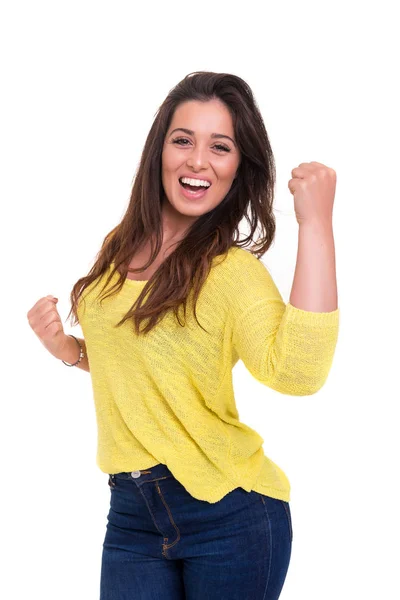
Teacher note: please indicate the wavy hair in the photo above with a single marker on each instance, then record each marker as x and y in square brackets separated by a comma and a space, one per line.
[251, 195]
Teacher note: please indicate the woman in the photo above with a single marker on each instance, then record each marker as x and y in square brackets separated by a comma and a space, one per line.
[197, 510]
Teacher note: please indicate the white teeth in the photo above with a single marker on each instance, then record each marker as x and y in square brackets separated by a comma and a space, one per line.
[197, 182]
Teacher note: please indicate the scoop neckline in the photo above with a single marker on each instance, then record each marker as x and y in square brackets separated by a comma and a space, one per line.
[133, 281]
[136, 282]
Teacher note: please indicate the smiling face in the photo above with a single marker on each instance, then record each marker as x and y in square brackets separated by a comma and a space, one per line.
[200, 144]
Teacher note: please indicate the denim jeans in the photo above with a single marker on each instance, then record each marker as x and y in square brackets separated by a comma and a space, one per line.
[162, 543]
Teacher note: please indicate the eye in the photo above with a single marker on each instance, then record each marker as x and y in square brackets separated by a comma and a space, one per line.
[218, 147]
[221, 147]
[178, 140]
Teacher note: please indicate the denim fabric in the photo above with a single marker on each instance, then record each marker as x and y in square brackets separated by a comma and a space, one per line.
[161, 543]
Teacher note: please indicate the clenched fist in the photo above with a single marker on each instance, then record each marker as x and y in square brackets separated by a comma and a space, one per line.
[45, 321]
[313, 187]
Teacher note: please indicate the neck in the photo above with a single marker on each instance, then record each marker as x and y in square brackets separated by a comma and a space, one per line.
[174, 224]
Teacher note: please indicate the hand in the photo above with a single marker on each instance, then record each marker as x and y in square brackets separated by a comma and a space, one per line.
[313, 188]
[45, 321]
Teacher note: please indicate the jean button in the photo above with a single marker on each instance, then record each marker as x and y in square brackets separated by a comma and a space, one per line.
[135, 474]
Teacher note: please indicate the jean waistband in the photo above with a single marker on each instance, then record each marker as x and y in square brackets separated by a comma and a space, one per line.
[154, 472]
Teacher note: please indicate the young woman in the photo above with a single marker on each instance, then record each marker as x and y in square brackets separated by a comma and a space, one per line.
[172, 302]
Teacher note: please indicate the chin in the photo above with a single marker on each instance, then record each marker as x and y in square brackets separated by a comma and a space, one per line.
[189, 207]
[191, 211]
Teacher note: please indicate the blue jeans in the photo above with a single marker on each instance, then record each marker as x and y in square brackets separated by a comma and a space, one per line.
[162, 543]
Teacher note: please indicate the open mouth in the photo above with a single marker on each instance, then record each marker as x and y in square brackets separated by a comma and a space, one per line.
[201, 186]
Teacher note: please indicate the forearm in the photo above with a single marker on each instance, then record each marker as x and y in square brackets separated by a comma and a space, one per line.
[314, 285]
[70, 353]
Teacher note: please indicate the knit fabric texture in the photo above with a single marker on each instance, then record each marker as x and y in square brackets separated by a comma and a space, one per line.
[167, 396]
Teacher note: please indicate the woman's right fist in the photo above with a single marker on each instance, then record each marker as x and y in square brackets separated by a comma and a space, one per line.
[45, 321]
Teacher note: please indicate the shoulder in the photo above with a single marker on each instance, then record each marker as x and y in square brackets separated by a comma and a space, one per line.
[241, 264]
[242, 277]
[240, 282]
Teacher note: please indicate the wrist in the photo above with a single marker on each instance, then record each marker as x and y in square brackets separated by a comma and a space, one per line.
[69, 351]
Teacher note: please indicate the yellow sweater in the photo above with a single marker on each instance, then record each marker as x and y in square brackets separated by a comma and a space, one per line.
[167, 397]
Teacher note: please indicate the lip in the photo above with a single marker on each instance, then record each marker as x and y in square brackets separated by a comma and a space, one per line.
[193, 195]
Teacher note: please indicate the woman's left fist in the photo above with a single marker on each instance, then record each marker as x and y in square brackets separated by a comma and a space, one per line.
[313, 187]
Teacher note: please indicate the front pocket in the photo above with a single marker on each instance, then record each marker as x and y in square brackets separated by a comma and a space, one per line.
[178, 533]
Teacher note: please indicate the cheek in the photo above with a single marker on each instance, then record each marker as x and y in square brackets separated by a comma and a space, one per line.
[170, 161]
[165, 162]
[226, 179]
[227, 171]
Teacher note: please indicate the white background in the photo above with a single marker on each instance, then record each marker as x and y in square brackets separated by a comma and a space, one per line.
[81, 82]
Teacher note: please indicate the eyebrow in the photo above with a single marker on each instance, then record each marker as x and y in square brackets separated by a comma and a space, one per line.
[213, 135]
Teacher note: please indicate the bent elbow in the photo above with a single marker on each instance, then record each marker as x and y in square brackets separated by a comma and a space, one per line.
[295, 386]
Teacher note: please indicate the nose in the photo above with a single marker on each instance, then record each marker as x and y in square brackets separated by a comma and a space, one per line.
[197, 158]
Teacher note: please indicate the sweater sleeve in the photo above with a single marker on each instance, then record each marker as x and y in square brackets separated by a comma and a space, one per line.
[286, 348]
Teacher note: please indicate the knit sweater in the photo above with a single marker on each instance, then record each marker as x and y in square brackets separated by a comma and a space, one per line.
[167, 396]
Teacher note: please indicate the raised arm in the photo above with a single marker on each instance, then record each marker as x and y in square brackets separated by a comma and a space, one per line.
[290, 348]
[314, 284]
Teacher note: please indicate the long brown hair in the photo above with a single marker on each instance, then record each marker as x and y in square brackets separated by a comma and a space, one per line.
[251, 195]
